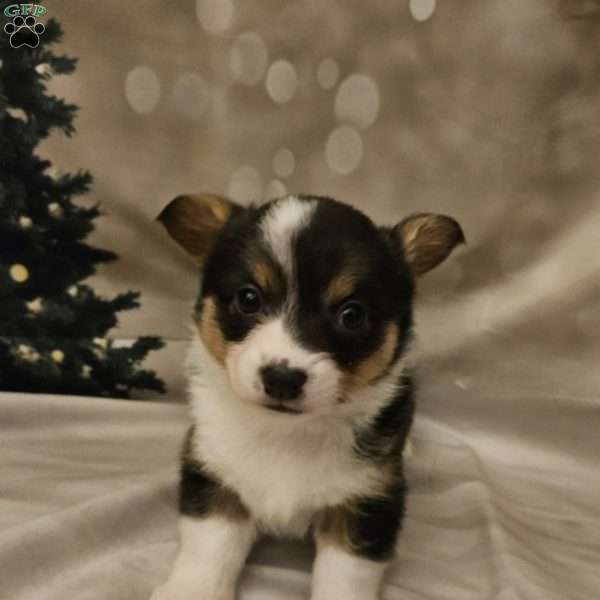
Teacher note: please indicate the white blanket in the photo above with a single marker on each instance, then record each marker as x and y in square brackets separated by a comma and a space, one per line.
[88, 503]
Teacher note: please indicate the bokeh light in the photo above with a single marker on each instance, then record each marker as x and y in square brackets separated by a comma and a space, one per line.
[284, 162]
[215, 16]
[421, 10]
[245, 185]
[248, 58]
[357, 101]
[328, 73]
[282, 81]
[275, 189]
[344, 150]
[142, 89]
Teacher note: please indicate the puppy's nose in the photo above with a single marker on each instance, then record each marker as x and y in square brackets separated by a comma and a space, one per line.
[281, 382]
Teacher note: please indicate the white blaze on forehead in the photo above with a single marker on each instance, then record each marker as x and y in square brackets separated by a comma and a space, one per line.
[282, 223]
[274, 343]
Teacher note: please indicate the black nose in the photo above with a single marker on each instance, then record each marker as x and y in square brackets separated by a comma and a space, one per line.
[281, 382]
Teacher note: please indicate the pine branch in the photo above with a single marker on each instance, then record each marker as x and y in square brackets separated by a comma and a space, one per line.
[53, 327]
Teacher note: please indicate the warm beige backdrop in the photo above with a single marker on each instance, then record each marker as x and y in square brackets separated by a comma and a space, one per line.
[488, 110]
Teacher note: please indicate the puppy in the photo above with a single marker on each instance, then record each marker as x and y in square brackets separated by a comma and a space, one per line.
[300, 385]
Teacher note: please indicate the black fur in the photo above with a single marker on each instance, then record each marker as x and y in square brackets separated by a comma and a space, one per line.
[384, 283]
[384, 438]
[196, 487]
[376, 523]
[229, 267]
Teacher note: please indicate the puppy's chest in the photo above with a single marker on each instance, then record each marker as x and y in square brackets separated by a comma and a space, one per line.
[285, 479]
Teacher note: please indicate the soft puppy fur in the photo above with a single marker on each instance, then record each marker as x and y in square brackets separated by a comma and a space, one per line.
[300, 384]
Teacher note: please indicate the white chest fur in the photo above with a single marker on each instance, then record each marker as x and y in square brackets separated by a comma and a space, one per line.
[284, 467]
[283, 471]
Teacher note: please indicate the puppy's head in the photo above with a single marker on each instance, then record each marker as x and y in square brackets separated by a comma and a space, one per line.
[304, 300]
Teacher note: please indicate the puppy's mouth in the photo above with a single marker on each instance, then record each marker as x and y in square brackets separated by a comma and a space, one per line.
[282, 408]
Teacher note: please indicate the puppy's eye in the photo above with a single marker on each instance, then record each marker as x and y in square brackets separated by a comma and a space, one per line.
[352, 316]
[248, 300]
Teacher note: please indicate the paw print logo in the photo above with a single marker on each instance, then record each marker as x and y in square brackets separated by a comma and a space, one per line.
[24, 31]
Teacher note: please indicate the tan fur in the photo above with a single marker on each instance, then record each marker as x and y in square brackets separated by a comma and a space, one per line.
[333, 526]
[226, 503]
[427, 239]
[220, 207]
[194, 222]
[340, 287]
[375, 365]
[210, 332]
[263, 275]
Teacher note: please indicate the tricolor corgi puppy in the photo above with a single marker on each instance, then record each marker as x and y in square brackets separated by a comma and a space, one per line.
[300, 386]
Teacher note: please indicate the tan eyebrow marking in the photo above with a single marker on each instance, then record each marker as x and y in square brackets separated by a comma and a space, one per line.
[263, 275]
[340, 287]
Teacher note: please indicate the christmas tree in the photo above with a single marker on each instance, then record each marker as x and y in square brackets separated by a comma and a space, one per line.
[53, 327]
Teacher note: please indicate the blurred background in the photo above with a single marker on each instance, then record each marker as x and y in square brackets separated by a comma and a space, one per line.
[485, 110]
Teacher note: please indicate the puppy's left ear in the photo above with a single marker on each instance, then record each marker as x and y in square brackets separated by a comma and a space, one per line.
[195, 221]
[425, 240]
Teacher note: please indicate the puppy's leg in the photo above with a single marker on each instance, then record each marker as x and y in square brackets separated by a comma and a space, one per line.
[341, 575]
[211, 555]
[355, 543]
[216, 534]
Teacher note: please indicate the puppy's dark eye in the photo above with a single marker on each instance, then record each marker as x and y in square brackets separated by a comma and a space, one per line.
[352, 316]
[248, 300]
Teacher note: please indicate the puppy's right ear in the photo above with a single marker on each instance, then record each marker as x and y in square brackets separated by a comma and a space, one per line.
[195, 222]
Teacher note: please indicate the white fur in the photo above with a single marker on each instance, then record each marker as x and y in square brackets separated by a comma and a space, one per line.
[281, 224]
[270, 343]
[338, 574]
[284, 467]
[211, 555]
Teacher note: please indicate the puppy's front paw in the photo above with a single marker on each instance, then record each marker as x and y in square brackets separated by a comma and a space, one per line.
[176, 591]
[170, 591]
